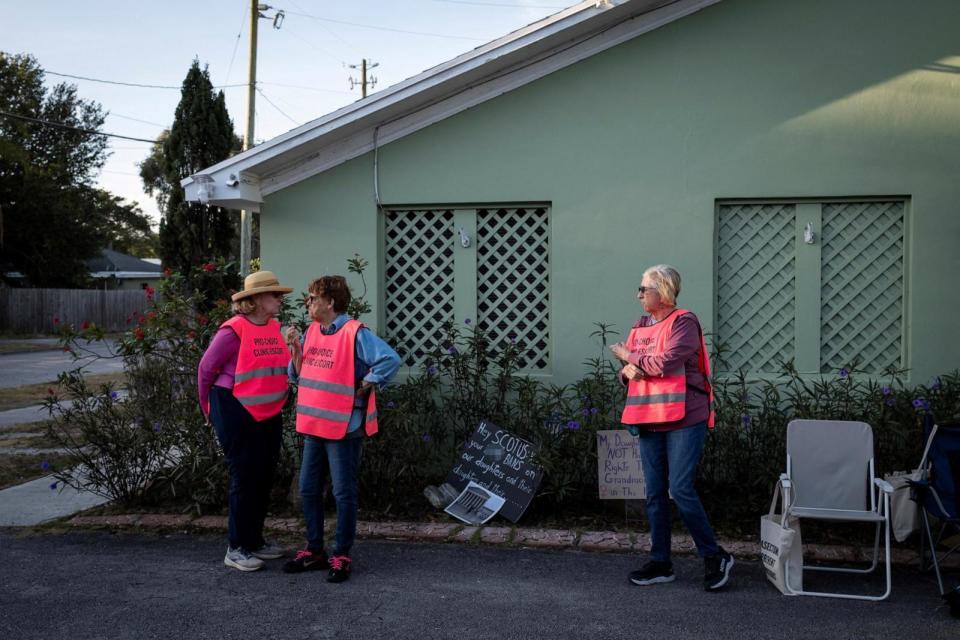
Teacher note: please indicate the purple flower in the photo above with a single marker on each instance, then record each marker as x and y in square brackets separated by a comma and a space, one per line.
[594, 411]
[585, 412]
[156, 427]
[44, 465]
[573, 425]
[53, 486]
[114, 395]
[745, 419]
[391, 404]
[426, 437]
[513, 339]
[921, 404]
[844, 373]
[467, 321]
[890, 402]
[431, 370]
[887, 391]
[936, 385]
[452, 350]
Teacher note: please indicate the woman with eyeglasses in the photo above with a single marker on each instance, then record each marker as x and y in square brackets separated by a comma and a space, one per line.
[338, 365]
[242, 383]
[670, 407]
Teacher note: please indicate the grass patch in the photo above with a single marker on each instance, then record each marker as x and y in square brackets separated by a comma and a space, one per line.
[16, 469]
[34, 394]
[24, 347]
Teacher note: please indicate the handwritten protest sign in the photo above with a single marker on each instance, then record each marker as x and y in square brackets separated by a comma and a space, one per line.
[620, 475]
[500, 462]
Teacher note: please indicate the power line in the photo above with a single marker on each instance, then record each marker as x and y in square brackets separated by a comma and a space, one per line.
[236, 43]
[276, 107]
[504, 4]
[61, 125]
[154, 124]
[132, 84]
[330, 31]
[297, 86]
[378, 28]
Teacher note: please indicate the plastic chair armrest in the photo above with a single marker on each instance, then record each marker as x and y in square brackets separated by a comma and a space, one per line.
[883, 485]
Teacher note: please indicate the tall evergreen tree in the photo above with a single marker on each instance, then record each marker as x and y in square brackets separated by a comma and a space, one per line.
[202, 135]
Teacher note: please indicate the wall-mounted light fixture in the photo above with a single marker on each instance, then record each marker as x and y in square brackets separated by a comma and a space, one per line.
[205, 189]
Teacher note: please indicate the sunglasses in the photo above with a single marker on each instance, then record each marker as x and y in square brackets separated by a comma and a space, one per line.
[645, 290]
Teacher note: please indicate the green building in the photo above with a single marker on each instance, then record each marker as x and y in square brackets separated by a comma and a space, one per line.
[798, 162]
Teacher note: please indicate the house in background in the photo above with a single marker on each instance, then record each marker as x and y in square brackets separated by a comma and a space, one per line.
[115, 270]
[799, 162]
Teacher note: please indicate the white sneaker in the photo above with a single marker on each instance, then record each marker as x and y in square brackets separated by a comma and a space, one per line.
[242, 559]
[269, 551]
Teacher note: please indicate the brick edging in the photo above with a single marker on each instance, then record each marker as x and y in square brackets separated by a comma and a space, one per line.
[559, 539]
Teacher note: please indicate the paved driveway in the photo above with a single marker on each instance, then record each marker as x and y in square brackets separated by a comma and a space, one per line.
[17, 369]
[85, 585]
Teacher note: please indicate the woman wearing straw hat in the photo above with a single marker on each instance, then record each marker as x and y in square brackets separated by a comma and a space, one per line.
[242, 382]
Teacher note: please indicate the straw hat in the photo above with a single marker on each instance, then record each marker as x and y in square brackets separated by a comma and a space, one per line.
[259, 282]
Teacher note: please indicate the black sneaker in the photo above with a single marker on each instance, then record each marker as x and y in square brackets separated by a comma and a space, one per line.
[716, 571]
[305, 560]
[339, 568]
[652, 573]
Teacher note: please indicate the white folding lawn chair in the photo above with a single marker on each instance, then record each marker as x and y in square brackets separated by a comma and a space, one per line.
[830, 477]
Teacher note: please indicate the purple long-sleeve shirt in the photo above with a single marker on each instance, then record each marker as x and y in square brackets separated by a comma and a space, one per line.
[218, 365]
[683, 346]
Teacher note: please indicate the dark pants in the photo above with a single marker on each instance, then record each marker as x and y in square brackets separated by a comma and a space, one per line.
[341, 459]
[252, 449]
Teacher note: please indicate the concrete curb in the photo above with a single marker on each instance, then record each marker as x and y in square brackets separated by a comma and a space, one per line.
[518, 537]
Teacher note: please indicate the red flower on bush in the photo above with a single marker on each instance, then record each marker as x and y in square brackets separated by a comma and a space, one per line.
[129, 318]
[149, 291]
[85, 325]
[141, 319]
[202, 320]
[50, 390]
[66, 349]
[167, 272]
[191, 334]
[151, 314]
[138, 333]
[56, 319]
[209, 267]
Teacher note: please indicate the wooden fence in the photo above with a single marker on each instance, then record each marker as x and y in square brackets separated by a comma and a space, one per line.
[37, 311]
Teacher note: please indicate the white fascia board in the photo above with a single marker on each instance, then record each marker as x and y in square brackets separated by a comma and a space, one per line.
[227, 190]
[342, 150]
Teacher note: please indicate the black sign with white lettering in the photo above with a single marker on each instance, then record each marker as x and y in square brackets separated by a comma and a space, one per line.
[502, 463]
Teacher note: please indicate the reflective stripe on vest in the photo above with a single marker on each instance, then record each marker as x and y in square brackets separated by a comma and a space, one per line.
[260, 381]
[326, 391]
[663, 399]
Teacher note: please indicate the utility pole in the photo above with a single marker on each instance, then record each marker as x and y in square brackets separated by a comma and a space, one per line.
[363, 82]
[246, 217]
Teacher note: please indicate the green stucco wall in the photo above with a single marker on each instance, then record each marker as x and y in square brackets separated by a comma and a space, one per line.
[633, 147]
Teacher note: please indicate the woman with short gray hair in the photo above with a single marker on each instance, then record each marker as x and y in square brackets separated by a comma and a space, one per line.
[670, 407]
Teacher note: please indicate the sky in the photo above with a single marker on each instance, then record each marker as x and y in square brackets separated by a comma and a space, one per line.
[302, 67]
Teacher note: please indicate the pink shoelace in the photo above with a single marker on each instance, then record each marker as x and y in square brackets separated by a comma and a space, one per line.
[338, 562]
[302, 553]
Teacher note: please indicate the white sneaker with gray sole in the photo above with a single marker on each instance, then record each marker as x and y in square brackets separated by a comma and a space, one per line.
[242, 559]
[269, 551]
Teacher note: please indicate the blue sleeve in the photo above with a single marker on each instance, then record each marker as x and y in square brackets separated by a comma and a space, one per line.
[380, 362]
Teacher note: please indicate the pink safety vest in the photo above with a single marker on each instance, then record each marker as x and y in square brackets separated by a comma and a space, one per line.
[327, 383]
[663, 399]
[260, 381]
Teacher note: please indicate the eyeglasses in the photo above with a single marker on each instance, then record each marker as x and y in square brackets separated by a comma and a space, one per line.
[645, 290]
[277, 295]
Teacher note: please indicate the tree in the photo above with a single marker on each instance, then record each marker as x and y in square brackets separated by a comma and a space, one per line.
[202, 135]
[54, 219]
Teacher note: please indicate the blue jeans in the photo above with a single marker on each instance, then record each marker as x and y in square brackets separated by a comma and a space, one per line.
[251, 450]
[670, 460]
[341, 458]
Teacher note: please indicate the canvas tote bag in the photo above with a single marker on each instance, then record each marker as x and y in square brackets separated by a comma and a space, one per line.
[904, 513]
[780, 545]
